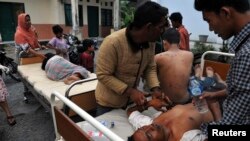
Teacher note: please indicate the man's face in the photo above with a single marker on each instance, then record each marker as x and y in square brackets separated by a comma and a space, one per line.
[156, 30]
[218, 23]
[153, 132]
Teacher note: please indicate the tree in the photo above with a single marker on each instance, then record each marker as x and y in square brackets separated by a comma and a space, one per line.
[127, 12]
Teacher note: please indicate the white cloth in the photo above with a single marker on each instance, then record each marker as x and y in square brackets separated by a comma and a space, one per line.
[193, 135]
[138, 120]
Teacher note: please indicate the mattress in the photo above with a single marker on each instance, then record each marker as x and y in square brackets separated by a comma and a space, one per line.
[36, 77]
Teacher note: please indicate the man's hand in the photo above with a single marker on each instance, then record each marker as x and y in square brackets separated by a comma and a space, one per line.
[158, 104]
[168, 102]
[5, 69]
[156, 93]
[136, 96]
[214, 96]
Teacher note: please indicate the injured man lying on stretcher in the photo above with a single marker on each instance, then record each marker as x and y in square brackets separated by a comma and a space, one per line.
[60, 69]
[181, 123]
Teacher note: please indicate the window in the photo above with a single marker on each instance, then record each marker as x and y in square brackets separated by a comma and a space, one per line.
[111, 3]
[68, 15]
[97, 1]
[106, 17]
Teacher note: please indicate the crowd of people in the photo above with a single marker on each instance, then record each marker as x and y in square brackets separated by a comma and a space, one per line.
[128, 55]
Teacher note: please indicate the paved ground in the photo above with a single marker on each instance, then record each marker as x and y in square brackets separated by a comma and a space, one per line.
[33, 122]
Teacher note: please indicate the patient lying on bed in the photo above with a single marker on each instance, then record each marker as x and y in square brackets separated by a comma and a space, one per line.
[60, 69]
[182, 122]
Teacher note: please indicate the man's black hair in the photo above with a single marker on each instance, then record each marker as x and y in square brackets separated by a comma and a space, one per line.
[177, 17]
[57, 29]
[48, 56]
[215, 5]
[171, 35]
[85, 44]
[149, 12]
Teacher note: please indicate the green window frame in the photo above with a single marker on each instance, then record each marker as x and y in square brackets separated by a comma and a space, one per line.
[106, 18]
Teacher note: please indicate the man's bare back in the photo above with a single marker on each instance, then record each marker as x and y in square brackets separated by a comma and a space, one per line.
[174, 69]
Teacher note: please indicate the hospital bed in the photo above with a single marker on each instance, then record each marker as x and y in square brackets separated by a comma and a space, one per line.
[66, 129]
[34, 78]
[219, 67]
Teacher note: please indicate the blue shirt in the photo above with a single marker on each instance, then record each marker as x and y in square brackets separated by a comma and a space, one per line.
[236, 107]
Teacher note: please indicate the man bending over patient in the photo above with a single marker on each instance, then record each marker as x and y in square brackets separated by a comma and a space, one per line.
[181, 123]
[174, 68]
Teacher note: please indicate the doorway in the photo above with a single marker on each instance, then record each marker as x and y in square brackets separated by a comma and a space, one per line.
[8, 19]
[93, 21]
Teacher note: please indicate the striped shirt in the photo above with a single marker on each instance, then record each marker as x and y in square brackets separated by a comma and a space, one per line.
[58, 68]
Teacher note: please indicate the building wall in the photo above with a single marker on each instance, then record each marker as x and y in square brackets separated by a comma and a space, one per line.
[45, 13]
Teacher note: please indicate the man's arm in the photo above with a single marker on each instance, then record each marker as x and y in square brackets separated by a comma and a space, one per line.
[214, 96]
[156, 103]
[108, 53]
[150, 74]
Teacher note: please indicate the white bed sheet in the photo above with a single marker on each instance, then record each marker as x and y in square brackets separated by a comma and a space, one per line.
[35, 76]
[122, 126]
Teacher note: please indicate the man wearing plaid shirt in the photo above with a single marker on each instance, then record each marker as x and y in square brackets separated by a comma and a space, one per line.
[229, 18]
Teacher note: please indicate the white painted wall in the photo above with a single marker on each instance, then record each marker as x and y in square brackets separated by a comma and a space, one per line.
[43, 11]
[52, 11]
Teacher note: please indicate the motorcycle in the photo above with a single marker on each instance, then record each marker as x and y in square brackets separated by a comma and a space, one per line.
[75, 46]
[9, 62]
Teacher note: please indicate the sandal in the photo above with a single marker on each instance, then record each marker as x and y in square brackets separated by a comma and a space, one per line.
[11, 120]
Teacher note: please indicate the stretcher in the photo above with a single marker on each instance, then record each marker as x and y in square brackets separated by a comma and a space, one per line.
[34, 78]
[66, 129]
[218, 67]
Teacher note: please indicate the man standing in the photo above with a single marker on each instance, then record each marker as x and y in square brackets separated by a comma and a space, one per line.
[176, 20]
[127, 55]
[229, 18]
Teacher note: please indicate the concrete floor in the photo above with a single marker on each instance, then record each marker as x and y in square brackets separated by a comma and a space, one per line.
[33, 122]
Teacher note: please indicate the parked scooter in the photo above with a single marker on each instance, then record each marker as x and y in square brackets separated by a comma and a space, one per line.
[75, 45]
[9, 62]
